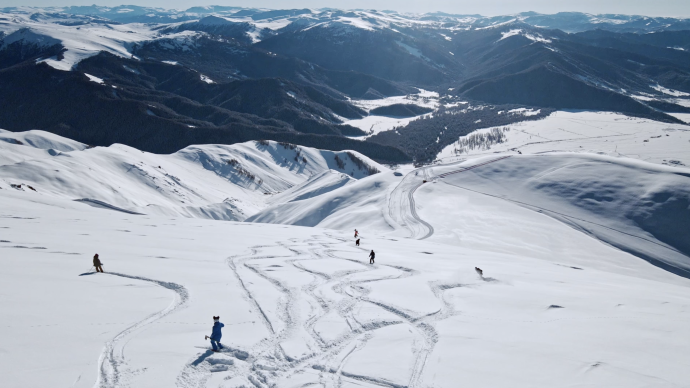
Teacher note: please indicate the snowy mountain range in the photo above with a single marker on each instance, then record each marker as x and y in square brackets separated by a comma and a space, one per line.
[366, 198]
[160, 80]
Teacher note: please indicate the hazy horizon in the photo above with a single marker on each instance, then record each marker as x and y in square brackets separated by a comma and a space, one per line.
[670, 8]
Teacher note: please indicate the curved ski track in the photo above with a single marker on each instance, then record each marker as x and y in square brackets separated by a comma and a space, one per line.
[112, 358]
[402, 208]
[341, 292]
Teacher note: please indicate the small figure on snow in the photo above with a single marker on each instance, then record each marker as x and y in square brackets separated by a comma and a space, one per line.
[216, 334]
[357, 242]
[479, 271]
[356, 233]
[97, 263]
[372, 255]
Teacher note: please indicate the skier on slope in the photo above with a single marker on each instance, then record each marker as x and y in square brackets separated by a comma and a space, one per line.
[97, 263]
[357, 242]
[372, 255]
[216, 334]
[356, 233]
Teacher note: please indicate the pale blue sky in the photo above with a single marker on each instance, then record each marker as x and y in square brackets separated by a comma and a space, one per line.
[674, 8]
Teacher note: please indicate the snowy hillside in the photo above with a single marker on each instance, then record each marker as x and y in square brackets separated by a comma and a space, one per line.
[622, 199]
[209, 181]
[603, 133]
[366, 198]
[302, 306]
[581, 255]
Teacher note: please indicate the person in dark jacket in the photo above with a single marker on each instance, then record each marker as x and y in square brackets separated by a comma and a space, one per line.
[371, 257]
[97, 263]
[357, 242]
[216, 334]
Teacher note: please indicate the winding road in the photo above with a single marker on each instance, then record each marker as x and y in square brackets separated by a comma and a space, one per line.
[402, 208]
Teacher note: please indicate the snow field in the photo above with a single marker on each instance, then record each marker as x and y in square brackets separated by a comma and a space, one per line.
[591, 132]
[307, 308]
[561, 302]
[374, 124]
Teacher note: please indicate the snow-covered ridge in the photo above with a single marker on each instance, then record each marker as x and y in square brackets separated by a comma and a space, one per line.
[208, 181]
[519, 32]
[85, 31]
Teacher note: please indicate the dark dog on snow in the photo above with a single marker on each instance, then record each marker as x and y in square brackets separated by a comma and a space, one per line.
[479, 271]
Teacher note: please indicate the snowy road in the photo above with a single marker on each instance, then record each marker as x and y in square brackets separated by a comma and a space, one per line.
[402, 208]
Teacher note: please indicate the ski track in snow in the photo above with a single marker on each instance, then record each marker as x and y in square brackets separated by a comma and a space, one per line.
[267, 363]
[112, 359]
[402, 208]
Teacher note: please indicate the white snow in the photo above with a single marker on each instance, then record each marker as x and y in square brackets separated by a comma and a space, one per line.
[495, 24]
[508, 34]
[216, 182]
[670, 92]
[532, 37]
[95, 79]
[81, 41]
[424, 98]
[594, 132]
[374, 124]
[206, 79]
[303, 306]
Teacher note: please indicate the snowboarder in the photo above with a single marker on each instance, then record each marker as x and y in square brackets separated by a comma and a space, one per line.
[97, 263]
[479, 271]
[356, 233]
[357, 242]
[372, 255]
[216, 334]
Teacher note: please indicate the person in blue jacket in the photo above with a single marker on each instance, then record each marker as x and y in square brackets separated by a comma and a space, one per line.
[216, 334]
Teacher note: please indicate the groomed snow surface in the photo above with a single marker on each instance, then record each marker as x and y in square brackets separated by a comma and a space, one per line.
[581, 256]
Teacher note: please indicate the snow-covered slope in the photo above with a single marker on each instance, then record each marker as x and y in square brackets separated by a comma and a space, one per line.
[207, 181]
[374, 124]
[39, 144]
[302, 306]
[636, 206]
[80, 41]
[604, 133]
[358, 205]
[316, 185]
